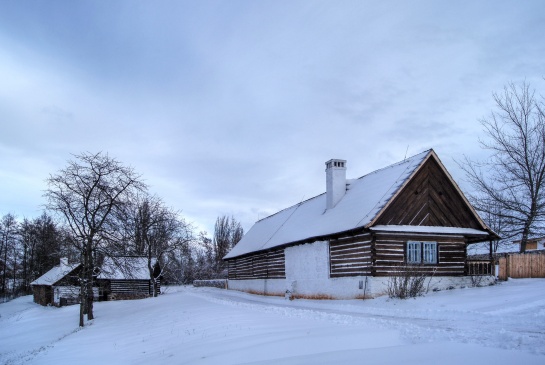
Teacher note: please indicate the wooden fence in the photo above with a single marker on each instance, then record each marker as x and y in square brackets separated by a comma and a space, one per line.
[526, 265]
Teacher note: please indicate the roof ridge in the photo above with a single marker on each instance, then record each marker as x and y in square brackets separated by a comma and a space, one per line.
[406, 160]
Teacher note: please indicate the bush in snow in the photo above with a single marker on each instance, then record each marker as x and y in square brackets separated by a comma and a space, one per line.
[408, 281]
[480, 280]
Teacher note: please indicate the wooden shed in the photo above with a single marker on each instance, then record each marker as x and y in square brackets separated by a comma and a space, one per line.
[347, 242]
[59, 286]
[127, 277]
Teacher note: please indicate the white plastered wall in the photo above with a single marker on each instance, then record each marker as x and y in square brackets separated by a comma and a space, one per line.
[307, 273]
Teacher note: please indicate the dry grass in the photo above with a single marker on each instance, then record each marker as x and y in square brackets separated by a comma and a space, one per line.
[364, 297]
[313, 296]
[263, 293]
[303, 296]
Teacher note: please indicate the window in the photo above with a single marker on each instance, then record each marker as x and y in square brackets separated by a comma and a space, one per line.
[421, 252]
[413, 252]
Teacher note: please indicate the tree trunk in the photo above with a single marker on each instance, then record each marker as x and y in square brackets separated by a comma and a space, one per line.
[524, 238]
[89, 276]
[150, 269]
[5, 264]
[14, 270]
[82, 297]
[25, 275]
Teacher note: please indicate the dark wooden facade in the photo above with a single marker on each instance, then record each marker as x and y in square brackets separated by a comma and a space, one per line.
[262, 265]
[390, 253]
[351, 256]
[43, 294]
[112, 289]
[368, 254]
[429, 199]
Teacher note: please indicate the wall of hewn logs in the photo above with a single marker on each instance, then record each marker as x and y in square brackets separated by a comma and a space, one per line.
[381, 254]
[350, 256]
[389, 254]
[263, 265]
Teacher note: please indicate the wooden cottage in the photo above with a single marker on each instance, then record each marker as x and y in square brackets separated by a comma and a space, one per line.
[127, 277]
[59, 286]
[347, 242]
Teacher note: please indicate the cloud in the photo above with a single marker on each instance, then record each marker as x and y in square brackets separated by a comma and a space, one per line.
[233, 107]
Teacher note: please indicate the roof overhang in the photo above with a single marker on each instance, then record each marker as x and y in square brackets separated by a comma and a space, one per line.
[471, 234]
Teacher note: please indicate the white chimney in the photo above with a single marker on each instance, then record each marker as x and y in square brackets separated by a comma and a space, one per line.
[335, 181]
[64, 261]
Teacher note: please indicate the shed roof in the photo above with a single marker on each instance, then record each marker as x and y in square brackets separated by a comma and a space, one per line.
[126, 268]
[364, 200]
[55, 274]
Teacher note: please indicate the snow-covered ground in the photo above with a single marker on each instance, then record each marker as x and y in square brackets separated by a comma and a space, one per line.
[502, 324]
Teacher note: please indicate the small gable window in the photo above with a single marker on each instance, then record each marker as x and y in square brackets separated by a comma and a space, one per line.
[421, 252]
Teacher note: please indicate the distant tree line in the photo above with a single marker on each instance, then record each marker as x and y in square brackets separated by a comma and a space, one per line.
[98, 208]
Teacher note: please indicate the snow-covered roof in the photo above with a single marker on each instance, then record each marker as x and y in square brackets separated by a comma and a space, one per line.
[55, 274]
[125, 268]
[363, 201]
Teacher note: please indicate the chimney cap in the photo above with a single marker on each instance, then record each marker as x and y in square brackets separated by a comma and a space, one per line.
[335, 162]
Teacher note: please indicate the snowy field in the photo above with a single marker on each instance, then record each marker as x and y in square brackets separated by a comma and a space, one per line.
[502, 324]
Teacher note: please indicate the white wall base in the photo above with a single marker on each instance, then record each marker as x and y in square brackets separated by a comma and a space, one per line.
[259, 286]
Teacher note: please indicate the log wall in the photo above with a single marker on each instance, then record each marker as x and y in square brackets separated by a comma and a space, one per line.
[43, 294]
[262, 265]
[129, 289]
[389, 253]
[350, 256]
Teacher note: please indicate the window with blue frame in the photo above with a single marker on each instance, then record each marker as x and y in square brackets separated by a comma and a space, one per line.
[421, 252]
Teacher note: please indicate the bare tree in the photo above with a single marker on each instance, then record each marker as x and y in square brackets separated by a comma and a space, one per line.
[43, 244]
[8, 241]
[227, 233]
[158, 231]
[509, 186]
[87, 193]
[493, 216]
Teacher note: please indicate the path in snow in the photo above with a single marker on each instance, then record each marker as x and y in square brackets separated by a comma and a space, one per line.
[512, 317]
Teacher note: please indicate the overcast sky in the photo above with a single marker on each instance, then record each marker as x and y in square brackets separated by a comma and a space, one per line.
[232, 107]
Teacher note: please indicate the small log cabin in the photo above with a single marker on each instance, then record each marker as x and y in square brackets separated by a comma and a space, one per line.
[347, 242]
[59, 286]
[127, 277]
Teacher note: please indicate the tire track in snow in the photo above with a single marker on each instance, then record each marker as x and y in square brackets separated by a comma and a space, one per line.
[499, 329]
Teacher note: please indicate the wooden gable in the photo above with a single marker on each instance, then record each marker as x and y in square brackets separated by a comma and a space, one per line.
[429, 198]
